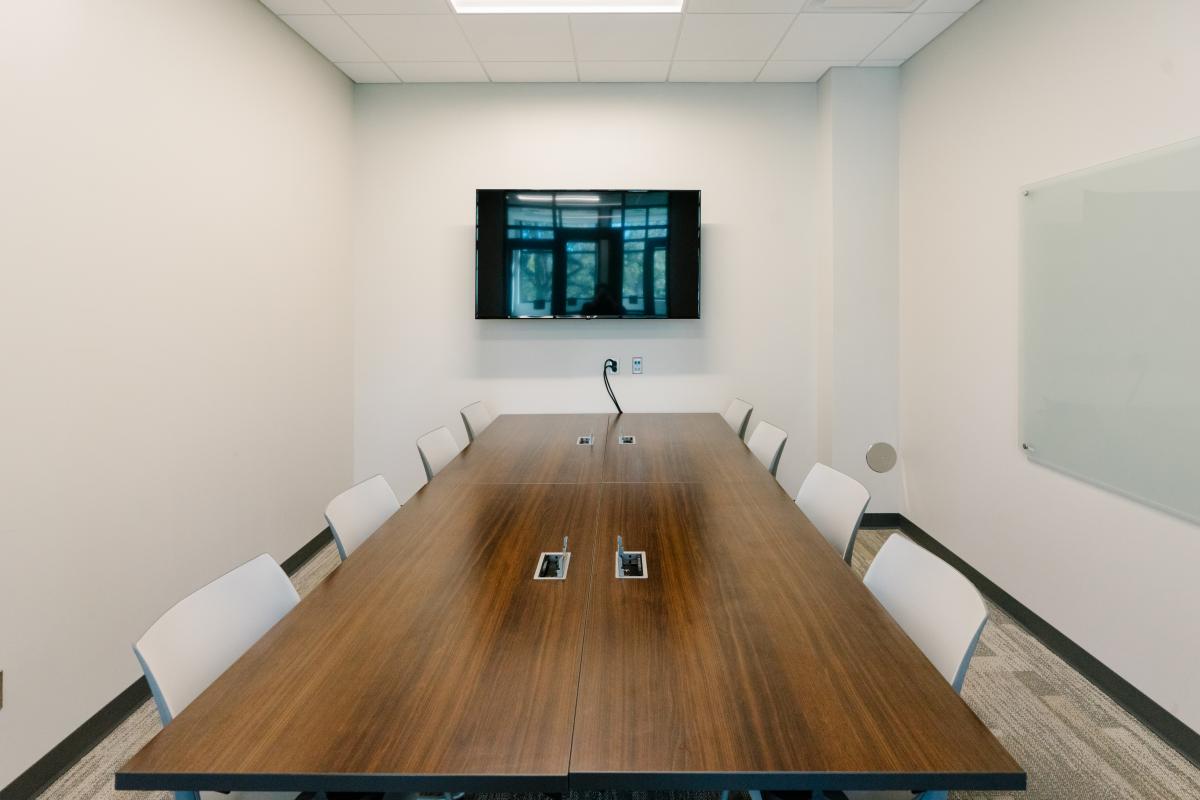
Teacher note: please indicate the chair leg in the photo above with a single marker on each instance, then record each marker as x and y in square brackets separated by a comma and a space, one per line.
[755, 794]
[725, 795]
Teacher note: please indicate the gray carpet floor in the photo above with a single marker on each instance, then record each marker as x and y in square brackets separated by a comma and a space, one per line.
[1071, 738]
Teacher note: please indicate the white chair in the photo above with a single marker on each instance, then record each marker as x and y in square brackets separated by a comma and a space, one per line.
[936, 606]
[738, 415]
[204, 633]
[834, 503]
[767, 443]
[359, 511]
[476, 417]
[437, 449]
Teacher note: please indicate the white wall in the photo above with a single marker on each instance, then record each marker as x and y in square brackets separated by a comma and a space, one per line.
[175, 337]
[1018, 91]
[420, 354]
[858, 273]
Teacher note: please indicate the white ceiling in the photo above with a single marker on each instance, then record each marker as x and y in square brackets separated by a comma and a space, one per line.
[425, 41]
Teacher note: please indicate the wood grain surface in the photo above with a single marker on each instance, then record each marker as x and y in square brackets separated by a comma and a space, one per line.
[753, 658]
[430, 660]
[533, 448]
[680, 448]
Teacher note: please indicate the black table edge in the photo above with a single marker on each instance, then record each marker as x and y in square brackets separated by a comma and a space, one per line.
[782, 781]
[339, 782]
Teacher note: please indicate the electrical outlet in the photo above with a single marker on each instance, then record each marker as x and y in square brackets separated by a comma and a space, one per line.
[636, 369]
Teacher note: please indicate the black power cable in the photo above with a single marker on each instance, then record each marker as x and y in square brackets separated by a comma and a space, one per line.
[610, 365]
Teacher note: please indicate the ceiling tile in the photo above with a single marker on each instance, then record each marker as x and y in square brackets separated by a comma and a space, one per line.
[837, 37]
[624, 71]
[519, 37]
[297, 6]
[390, 6]
[413, 37]
[714, 71]
[798, 71]
[730, 37]
[918, 31]
[745, 6]
[368, 72]
[860, 6]
[566, 6]
[958, 6]
[624, 37]
[440, 72]
[330, 35]
[532, 71]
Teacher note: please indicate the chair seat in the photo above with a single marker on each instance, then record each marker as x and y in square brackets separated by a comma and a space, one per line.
[834, 503]
[359, 511]
[437, 449]
[737, 415]
[767, 443]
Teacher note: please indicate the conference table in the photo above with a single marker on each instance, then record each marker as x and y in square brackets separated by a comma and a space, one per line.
[749, 657]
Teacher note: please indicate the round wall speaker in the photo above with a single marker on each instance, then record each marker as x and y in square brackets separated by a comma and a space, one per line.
[881, 457]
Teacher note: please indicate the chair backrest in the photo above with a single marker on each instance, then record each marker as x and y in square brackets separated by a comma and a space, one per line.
[359, 511]
[437, 449]
[936, 606]
[205, 632]
[767, 443]
[834, 503]
[738, 415]
[476, 418]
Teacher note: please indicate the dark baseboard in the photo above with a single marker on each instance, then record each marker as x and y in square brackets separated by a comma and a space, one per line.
[887, 521]
[47, 768]
[83, 739]
[292, 564]
[1169, 728]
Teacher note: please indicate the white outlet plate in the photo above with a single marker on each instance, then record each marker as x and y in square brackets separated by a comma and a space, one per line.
[636, 368]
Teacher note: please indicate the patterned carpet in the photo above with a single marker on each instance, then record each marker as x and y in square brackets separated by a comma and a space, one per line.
[1071, 738]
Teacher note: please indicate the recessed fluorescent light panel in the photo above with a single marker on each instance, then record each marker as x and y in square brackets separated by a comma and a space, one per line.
[567, 6]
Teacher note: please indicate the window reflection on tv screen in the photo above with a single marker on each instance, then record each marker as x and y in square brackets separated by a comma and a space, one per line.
[586, 253]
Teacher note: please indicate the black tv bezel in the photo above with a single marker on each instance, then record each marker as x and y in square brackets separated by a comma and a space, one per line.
[699, 257]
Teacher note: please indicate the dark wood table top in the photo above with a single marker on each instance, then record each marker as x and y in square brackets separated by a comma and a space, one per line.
[682, 448]
[428, 660]
[751, 657]
[533, 448]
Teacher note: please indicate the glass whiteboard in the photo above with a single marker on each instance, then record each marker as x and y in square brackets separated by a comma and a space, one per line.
[1110, 326]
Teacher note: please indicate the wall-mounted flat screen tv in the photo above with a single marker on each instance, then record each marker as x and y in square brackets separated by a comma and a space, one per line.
[583, 254]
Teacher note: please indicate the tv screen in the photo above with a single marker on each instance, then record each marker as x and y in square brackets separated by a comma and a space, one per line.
[568, 253]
